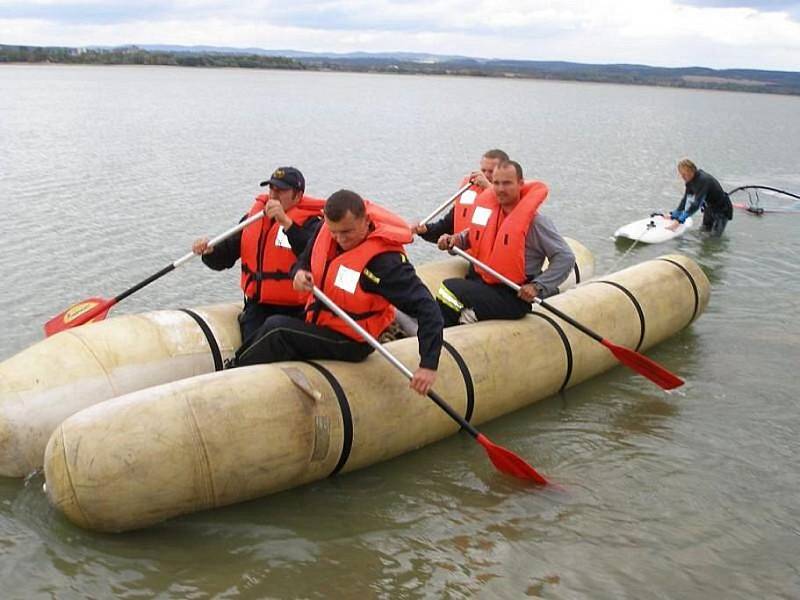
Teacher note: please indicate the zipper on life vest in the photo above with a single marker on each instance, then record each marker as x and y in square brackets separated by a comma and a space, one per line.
[497, 224]
[260, 260]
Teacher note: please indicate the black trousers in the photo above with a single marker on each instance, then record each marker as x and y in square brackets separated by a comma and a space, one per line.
[254, 314]
[487, 301]
[714, 223]
[288, 338]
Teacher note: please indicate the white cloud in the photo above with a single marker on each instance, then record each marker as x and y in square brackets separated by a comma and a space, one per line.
[656, 32]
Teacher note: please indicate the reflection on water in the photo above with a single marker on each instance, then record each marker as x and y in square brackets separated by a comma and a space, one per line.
[108, 174]
[712, 254]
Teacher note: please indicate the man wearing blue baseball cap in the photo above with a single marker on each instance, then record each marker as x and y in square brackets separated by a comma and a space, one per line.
[268, 248]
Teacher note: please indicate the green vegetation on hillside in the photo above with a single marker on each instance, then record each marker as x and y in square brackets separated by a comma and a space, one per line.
[743, 80]
[131, 55]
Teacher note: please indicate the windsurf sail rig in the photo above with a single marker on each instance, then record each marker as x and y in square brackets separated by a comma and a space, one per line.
[760, 199]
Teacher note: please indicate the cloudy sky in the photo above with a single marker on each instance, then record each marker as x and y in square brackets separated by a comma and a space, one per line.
[712, 33]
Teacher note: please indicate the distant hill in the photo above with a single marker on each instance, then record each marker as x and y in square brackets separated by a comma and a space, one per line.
[749, 80]
[402, 56]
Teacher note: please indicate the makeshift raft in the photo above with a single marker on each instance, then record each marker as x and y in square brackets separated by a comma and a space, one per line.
[77, 368]
[234, 435]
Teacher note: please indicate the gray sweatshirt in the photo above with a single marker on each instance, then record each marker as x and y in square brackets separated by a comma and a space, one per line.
[543, 241]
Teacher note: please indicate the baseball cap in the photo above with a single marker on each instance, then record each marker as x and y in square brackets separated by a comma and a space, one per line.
[286, 178]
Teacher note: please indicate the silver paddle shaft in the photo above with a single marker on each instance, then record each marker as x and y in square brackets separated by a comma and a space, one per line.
[447, 203]
[487, 268]
[320, 295]
[222, 236]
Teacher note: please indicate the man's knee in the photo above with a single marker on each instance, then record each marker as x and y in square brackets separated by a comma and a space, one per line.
[250, 320]
[267, 344]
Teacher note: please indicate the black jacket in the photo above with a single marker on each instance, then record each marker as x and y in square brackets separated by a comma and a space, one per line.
[228, 251]
[706, 191]
[442, 226]
[391, 276]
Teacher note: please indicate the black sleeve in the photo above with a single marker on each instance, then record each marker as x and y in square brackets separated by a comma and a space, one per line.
[226, 253]
[397, 281]
[299, 236]
[304, 258]
[701, 185]
[682, 203]
[437, 228]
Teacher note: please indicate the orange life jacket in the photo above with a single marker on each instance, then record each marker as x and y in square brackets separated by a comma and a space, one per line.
[267, 256]
[338, 275]
[464, 205]
[498, 239]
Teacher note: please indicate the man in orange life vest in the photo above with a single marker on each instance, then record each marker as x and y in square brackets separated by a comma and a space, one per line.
[268, 248]
[506, 233]
[458, 218]
[357, 260]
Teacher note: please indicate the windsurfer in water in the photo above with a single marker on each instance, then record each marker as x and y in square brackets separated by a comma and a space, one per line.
[702, 191]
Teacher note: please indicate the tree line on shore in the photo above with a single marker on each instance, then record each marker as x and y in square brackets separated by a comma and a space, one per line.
[747, 80]
[132, 55]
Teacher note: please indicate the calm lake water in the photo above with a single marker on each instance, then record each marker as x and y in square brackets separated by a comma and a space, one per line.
[107, 174]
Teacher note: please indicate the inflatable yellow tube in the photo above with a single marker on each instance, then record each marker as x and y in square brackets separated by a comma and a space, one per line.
[58, 376]
[238, 434]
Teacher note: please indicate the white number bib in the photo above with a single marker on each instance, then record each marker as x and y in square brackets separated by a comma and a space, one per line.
[468, 197]
[281, 240]
[481, 216]
[346, 279]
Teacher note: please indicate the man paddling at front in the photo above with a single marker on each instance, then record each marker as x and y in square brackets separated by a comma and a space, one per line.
[508, 234]
[357, 260]
[268, 249]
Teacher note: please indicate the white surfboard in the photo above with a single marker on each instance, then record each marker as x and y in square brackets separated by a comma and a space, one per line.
[652, 230]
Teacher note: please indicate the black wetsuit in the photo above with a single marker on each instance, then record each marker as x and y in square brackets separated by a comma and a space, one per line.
[703, 190]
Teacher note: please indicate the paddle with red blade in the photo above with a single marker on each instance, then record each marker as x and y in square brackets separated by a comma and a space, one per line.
[96, 309]
[630, 358]
[504, 460]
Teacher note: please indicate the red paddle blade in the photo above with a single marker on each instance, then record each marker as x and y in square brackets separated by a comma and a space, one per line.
[644, 366]
[92, 309]
[509, 463]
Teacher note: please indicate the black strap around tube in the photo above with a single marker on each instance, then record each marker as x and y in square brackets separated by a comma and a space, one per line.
[468, 384]
[636, 305]
[692, 281]
[565, 341]
[212, 341]
[347, 416]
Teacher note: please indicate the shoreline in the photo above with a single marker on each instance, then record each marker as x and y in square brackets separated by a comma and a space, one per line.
[744, 89]
[784, 83]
